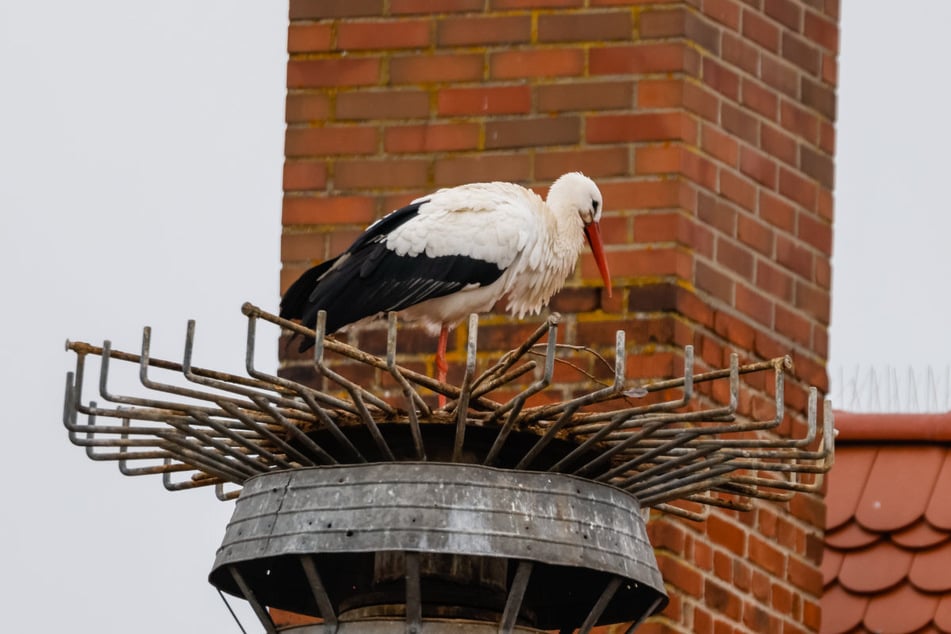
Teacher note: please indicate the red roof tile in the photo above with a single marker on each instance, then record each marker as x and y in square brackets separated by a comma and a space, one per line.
[900, 610]
[899, 487]
[842, 611]
[874, 569]
[850, 536]
[938, 512]
[931, 569]
[887, 562]
[851, 472]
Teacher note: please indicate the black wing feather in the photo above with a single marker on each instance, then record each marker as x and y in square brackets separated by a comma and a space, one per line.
[369, 279]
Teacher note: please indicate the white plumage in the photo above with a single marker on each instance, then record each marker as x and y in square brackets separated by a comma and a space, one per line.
[457, 251]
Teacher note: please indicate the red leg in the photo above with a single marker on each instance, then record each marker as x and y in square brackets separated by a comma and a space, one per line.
[442, 367]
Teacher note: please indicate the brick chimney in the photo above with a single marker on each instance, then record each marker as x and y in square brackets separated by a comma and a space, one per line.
[709, 127]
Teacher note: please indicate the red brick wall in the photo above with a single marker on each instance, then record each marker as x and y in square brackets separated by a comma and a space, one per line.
[708, 125]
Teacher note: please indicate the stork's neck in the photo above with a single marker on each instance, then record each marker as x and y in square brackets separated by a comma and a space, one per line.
[566, 230]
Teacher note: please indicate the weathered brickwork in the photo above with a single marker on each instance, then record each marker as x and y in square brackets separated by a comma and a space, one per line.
[709, 127]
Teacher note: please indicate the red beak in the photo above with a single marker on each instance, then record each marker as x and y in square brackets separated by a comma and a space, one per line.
[592, 232]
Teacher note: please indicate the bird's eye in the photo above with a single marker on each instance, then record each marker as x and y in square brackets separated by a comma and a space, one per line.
[594, 205]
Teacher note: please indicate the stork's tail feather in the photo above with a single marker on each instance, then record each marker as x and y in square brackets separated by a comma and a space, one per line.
[297, 298]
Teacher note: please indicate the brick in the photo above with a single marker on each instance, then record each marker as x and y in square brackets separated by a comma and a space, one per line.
[308, 38]
[434, 137]
[436, 68]
[777, 143]
[600, 162]
[775, 281]
[829, 69]
[721, 79]
[667, 126]
[383, 34]
[662, 23]
[303, 247]
[802, 53]
[300, 108]
[822, 31]
[827, 137]
[304, 175]
[739, 123]
[660, 227]
[535, 4]
[727, 534]
[330, 140]
[796, 188]
[380, 174]
[484, 100]
[336, 72]
[816, 232]
[652, 57]
[780, 75]
[738, 189]
[701, 32]
[817, 165]
[759, 98]
[382, 104]
[429, 7]
[660, 93]
[805, 576]
[722, 146]
[474, 31]
[585, 27]
[739, 333]
[741, 53]
[723, 600]
[717, 213]
[653, 262]
[814, 301]
[314, 210]
[575, 300]
[702, 101]
[776, 211]
[794, 257]
[799, 121]
[793, 325]
[658, 159]
[591, 95]
[482, 167]
[699, 169]
[758, 166]
[641, 194]
[726, 12]
[320, 9]
[561, 62]
[532, 132]
[818, 96]
[787, 12]
[753, 303]
[715, 282]
[767, 557]
[760, 30]
[754, 233]
[735, 258]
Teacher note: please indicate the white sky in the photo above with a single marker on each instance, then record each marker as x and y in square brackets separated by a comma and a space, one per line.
[140, 153]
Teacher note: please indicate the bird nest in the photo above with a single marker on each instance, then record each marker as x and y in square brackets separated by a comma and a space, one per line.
[664, 442]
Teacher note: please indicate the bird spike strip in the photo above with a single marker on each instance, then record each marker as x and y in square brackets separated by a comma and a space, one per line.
[219, 429]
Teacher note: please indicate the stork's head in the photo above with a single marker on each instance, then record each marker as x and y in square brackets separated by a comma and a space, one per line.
[575, 193]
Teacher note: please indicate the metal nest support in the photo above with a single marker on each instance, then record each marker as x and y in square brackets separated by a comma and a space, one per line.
[220, 429]
[498, 506]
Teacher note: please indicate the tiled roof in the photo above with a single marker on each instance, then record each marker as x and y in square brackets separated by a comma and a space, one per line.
[887, 562]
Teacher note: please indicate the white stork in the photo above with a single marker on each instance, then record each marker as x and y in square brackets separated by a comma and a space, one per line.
[455, 252]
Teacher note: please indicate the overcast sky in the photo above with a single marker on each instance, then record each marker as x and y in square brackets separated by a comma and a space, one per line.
[140, 153]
